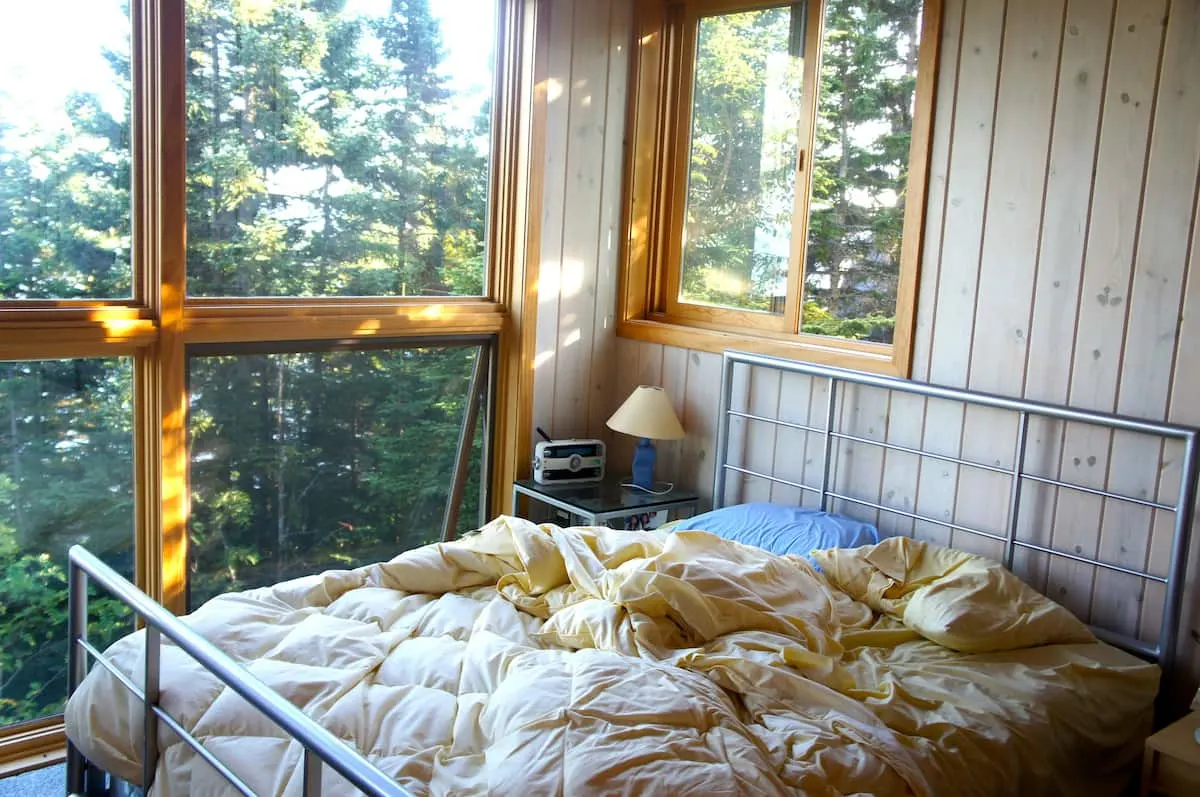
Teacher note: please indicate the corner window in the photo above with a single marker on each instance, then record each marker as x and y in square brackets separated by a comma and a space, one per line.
[261, 287]
[779, 178]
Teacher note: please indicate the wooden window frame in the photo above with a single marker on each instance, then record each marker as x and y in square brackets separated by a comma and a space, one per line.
[159, 321]
[660, 117]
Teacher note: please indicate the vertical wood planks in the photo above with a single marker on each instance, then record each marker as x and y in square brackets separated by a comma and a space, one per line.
[761, 437]
[792, 460]
[702, 401]
[907, 426]
[1154, 309]
[1008, 257]
[1063, 234]
[959, 251]
[625, 379]
[602, 363]
[1185, 389]
[814, 447]
[674, 381]
[588, 93]
[739, 399]
[1108, 271]
[859, 466]
[558, 112]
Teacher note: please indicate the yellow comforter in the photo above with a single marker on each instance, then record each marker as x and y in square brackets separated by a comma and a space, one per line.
[538, 660]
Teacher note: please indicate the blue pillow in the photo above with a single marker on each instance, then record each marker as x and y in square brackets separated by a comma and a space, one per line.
[782, 529]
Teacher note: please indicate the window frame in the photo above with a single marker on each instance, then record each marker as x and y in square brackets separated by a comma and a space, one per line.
[159, 322]
[660, 122]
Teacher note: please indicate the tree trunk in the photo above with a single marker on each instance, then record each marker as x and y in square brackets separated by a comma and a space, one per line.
[843, 122]
[322, 282]
[18, 478]
[281, 534]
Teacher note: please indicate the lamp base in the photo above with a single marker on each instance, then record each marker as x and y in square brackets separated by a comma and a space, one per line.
[643, 464]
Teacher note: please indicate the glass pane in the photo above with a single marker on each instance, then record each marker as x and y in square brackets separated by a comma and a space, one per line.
[860, 167]
[317, 460]
[338, 149]
[64, 150]
[66, 477]
[744, 145]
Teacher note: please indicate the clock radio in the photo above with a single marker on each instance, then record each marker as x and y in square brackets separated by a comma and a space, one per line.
[568, 461]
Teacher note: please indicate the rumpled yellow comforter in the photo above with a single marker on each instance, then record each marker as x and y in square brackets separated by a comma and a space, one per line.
[536, 660]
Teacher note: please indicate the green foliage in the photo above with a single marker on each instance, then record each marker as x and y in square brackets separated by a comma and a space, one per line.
[326, 155]
[742, 168]
[66, 476]
[322, 158]
[819, 321]
[341, 458]
[860, 165]
[741, 171]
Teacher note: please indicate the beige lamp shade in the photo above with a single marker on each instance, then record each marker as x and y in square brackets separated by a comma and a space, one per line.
[647, 413]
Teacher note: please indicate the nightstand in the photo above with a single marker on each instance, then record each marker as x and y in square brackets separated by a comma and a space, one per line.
[596, 503]
[1171, 765]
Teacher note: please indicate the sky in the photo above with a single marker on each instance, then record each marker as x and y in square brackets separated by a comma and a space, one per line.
[38, 71]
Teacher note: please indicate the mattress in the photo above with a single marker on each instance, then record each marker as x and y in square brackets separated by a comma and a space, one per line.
[532, 660]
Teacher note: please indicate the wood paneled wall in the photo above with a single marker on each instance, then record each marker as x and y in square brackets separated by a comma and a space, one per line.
[1061, 238]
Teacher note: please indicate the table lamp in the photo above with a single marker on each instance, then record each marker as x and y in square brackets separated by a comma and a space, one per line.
[647, 414]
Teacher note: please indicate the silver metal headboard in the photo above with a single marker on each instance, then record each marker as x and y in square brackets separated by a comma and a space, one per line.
[1164, 651]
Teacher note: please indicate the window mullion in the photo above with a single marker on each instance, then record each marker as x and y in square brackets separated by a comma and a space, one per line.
[677, 147]
[164, 216]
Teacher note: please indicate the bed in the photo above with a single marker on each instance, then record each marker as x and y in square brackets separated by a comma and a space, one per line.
[537, 660]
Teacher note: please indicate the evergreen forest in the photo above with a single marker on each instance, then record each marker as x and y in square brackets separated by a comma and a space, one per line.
[742, 172]
[332, 150]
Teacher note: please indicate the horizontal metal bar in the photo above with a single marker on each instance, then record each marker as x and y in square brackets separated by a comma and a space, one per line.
[1102, 493]
[954, 526]
[290, 719]
[1128, 643]
[920, 453]
[894, 511]
[775, 421]
[1001, 538]
[1122, 422]
[774, 479]
[112, 669]
[170, 722]
[1094, 562]
[203, 752]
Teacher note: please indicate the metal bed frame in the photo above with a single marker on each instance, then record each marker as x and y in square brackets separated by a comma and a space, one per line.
[320, 746]
[1164, 651]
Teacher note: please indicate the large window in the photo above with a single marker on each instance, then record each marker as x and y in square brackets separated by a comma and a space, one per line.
[66, 478]
[65, 221]
[307, 461]
[778, 187]
[260, 297]
[338, 149]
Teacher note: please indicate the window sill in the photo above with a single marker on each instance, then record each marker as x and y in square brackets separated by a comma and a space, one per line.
[33, 745]
[872, 357]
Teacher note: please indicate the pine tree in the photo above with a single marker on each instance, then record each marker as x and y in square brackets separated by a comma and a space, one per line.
[860, 167]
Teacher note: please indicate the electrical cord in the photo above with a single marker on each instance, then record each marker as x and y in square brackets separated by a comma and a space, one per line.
[670, 487]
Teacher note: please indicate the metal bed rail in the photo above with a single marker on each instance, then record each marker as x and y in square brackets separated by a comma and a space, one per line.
[320, 746]
[1164, 651]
